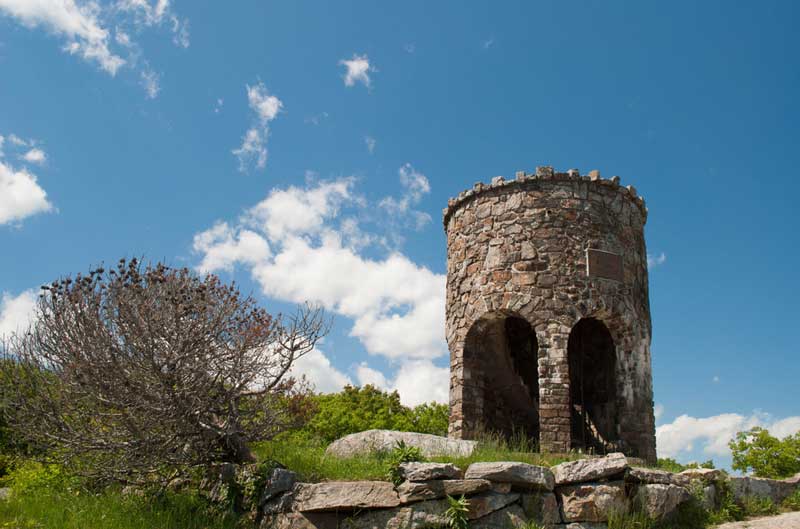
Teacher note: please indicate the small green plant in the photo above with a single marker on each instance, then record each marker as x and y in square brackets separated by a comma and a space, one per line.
[727, 509]
[402, 453]
[759, 506]
[629, 520]
[457, 513]
[792, 502]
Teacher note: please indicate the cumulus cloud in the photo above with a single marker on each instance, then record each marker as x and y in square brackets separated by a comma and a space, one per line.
[656, 260]
[417, 382]
[712, 434]
[357, 70]
[35, 155]
[301, 245]
[415, 186]
[16, 312]
[20, 195]
[85, 27]
[254, 142]
[318, 370]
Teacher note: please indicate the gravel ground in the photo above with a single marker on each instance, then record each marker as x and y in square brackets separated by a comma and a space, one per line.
[790, 520]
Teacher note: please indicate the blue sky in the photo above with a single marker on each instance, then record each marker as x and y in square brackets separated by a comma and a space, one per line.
[306, 149]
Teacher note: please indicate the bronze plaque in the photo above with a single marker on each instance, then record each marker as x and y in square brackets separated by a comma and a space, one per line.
[604, 264]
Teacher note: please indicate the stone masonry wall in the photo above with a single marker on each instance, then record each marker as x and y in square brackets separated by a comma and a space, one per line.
[519, 248]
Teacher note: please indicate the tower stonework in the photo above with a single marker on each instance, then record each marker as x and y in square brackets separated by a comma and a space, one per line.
[548, 314]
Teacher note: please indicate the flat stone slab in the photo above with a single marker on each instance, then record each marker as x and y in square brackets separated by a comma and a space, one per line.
[789, 520]
[592, 502]
[541, 507]
[421, 515]
[429, 471]
[344, 495]
[660, 501]
[511, 516]
[411, 491]
[384, 440]
[518, 474]
[488, 502]
[654, 476]
[705, 474]
[584, 470]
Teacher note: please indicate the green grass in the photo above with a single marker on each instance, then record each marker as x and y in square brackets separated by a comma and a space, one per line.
[109, 510]
[307, 458]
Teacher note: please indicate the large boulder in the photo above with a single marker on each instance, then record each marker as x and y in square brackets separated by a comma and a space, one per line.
[429, 471]
[344, 496]
[660, 501]
[592, 502]
[384, 440]
[584, 470]
[707, 475]
[518, 474]
[299, 520]
[421, 515]
[541, 508]
[411, 491]
[775, 490]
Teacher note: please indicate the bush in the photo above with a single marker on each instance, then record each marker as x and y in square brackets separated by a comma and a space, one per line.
[792, 502]
[357, 409]
[766, 456]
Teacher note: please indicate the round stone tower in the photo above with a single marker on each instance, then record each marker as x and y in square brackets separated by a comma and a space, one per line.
[548, 315]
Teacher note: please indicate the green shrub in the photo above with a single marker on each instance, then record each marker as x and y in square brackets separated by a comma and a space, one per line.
[728, 510]
[629, 520]
[670, 465]
[759, 506]
[357, 409]
[402, 453]
[766, 456]
[457, 513]
[792, 502]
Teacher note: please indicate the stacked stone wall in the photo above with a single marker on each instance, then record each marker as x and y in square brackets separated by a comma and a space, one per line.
[519, 248]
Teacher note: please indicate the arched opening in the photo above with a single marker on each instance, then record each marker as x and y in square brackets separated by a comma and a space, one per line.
[593, 389]
[504, 352]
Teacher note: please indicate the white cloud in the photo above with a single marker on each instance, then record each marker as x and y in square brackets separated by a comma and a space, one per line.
[16, 313]
[218, 105]
[254, 143]
[79, 23]
[712, 434]
[656, 260]
[417, 381]
[396, 306]
[149, 80]
[85, 27]
[658, 411]
[358, 70]
[317, 118]
[318, 370]
[16, 140]
[415, 186]
[35, 155]
[370, 142]
[20, 195]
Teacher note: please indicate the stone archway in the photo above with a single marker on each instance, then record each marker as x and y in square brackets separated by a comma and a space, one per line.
[593, 387]
[504, 350]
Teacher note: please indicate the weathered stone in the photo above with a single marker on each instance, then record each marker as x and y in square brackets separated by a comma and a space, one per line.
[518, 474]
[297, 520]
[653, 476]
[483, 504]
[706, 475]
[511, 516]
[410, 491]
[592, 502]
[429, 471]
[659, 501]
[541, 507]
[344, 495]
[279, 480]
[709, 498]
[583, 470]
[277, 504]
[385, 440]
[421, 515]
[776, 490]
[582, 525]
[794, 480]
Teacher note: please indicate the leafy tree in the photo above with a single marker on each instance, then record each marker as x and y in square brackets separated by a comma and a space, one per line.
[356, 409]
[766, 456]
[144, 372]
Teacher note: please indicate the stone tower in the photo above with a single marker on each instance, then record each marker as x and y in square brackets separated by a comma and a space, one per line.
[548, 314]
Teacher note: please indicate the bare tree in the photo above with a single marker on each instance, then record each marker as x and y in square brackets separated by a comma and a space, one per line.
[142, 373]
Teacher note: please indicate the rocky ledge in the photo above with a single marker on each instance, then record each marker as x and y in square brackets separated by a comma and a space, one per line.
[575, 495]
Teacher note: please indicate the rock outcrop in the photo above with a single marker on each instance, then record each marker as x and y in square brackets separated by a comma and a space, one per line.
[384, 440]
